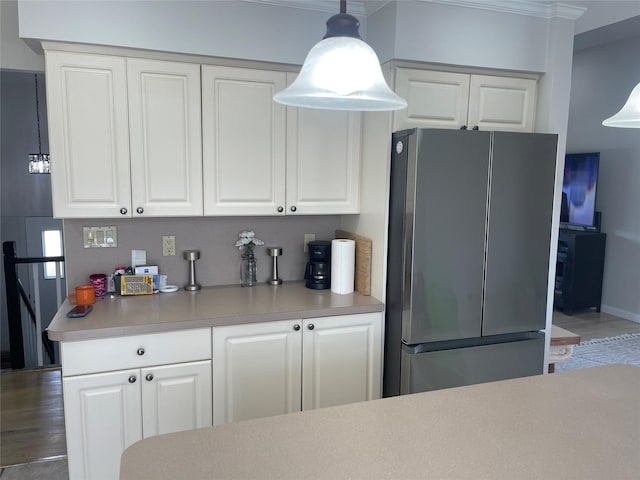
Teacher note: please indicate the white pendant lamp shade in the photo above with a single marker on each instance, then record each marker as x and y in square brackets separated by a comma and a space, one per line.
[341, 72]
[629, 115]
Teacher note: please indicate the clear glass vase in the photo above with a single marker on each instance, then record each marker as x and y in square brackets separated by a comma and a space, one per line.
[248, 270]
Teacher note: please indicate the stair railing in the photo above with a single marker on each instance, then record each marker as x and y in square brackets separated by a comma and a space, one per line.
[15, 292]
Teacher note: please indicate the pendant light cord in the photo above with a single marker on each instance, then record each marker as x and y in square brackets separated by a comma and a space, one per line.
[35, 75]
[343, 6]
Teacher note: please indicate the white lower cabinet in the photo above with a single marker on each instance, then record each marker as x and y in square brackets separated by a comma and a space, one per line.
[108, 411]
[273, 368]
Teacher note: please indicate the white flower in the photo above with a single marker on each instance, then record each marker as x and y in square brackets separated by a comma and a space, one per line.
[247, 240]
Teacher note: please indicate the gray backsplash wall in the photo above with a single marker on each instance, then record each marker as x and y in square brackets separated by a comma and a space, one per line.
[215, 237]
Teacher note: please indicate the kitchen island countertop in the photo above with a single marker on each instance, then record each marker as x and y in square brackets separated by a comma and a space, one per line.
[577, 424]
[209, 307]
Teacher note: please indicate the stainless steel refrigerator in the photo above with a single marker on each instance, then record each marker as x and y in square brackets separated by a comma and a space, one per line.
[468, 257]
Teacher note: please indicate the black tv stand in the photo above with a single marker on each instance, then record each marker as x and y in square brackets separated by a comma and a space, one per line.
[579, 270]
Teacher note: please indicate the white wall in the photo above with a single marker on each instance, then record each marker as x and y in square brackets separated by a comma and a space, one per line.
[602, 79]
[231, 29]
[14, 53]
[447, 34]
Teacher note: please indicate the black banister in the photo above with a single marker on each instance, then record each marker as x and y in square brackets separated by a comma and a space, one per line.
[15, 291]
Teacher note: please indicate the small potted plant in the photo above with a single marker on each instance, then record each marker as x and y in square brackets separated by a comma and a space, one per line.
[248, 269]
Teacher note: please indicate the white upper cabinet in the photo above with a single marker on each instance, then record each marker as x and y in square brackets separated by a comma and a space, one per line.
[261, 158]
[88, 135]
[125, 136]
[244, 133]
[435, 99]
[135, 137]
[459, 100]
[502, 103]
[323, 160]
[165, 137]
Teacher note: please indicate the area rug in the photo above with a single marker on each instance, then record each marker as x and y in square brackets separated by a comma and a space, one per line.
[604, 351]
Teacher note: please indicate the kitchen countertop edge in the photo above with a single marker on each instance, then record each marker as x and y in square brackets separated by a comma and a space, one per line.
[209, 307]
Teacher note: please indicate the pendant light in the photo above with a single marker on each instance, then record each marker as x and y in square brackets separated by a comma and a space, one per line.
[39, 162]
[629, 115]
[341, 72]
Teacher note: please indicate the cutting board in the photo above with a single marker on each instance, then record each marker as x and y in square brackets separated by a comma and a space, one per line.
[363, 261]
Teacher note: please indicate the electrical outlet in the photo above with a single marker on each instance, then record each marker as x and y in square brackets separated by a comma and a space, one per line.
[308, 237]
[168, 245]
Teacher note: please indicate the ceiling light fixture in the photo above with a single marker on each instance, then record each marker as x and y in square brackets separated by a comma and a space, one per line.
[39, 162]
[629, 115]
[341, 72]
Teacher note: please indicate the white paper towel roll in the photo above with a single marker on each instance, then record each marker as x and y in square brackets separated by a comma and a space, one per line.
[343, 265]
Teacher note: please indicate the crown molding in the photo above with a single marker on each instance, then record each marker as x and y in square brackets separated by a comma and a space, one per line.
[532, 8]
[364, 8]
[355, 8]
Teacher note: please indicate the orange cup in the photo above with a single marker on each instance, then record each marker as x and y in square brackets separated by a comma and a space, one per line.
[83, 295]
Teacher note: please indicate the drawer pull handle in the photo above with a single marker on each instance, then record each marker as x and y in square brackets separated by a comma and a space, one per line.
[123, 211]
[280, 209]
[296, 327]
[140, 210]
[140, 351]
[132, 379]
[149, 377]
[293, 208]
[311, 326]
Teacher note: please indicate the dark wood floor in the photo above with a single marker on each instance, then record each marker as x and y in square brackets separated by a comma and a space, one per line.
[31, 417]
[590, 324]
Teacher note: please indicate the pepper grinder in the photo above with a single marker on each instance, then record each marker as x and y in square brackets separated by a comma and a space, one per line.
[274, 253]
[192, 256]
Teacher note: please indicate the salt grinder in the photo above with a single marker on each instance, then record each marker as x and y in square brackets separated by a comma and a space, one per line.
[274, 253]
[192, 256]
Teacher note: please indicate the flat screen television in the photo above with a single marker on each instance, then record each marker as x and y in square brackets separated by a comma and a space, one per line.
[579, 189]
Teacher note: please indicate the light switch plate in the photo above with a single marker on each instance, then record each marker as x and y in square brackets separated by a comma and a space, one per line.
[100, 237]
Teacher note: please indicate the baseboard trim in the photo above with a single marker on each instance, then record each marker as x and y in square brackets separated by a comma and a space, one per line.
[634, 317]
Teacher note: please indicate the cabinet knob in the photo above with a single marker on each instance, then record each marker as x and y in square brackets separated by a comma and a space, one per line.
[140, 210]
[132, 379]
[311, 326]
[463, 127]
[296, 327]
[123, 211]
[280, 209]
[476, 128]
[140, 351]
[293, 208]
[149, 377]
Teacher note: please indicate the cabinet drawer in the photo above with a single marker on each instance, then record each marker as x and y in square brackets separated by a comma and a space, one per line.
[92, 356]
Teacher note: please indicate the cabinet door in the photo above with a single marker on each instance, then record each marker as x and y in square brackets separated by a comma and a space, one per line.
[323, 161]
[256, 370]
[88, 135]
[342, 360]
[102, 418]
[165, 135]
[176, 398]
[502, 103]
[435, 99]
[244, 133]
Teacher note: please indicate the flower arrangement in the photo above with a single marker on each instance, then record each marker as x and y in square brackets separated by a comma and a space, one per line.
[248, 242]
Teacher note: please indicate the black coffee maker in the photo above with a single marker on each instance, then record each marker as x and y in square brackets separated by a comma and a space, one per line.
[317, 275]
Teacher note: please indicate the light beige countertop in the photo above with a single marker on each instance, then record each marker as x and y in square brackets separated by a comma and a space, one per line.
[579, 424]
[209, 307]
